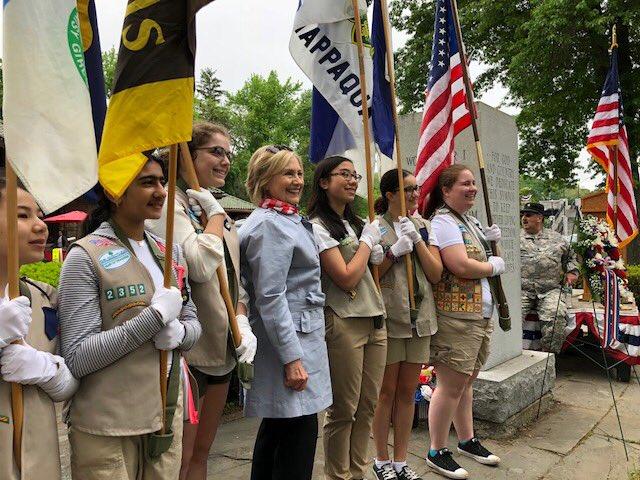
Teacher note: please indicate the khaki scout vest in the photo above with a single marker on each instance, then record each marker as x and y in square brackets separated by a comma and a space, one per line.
[395, 291]
[459, 297]
[364, 300]
[40, 451]
[215, 346]
[122, 399]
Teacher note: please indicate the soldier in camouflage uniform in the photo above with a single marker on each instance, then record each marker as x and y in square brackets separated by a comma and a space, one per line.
[547, 264]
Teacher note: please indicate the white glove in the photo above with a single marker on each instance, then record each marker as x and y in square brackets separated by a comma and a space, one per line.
[371, 234]
[207, 201]
[171, 335]
[21, 363]
[15, 317]
[492, 233]
[403, 245]
[168, 303]
[377, 255]
[247, 349]
[497, 263]
[409, 229]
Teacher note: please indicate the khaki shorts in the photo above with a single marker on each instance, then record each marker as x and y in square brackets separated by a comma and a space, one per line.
[410, 350]
[462, 345]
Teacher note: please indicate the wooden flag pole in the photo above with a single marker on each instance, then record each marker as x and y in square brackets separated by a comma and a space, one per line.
[168, 267]
[191, 178]
[501, 298]
[614, 153]
[365, 124]
[17, 404]
[394, 107]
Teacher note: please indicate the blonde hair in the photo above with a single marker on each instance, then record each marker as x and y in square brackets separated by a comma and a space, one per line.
[263, 166]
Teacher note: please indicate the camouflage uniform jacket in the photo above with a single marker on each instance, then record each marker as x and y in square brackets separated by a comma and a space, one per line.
[546, 256]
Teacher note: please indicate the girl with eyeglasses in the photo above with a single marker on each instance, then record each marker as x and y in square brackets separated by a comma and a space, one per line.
[408, 330]
[116, 316]
[209, 239]
[281, 269]
[354, 316]
[31, 320]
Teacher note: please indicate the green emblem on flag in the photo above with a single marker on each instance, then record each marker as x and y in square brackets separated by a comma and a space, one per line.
[74, 36]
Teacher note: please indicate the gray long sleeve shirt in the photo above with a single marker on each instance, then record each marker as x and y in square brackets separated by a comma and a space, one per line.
[85, 347]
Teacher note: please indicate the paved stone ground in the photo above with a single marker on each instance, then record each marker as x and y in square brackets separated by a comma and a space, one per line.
[578, 439]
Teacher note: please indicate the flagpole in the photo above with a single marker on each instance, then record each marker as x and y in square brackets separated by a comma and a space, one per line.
[614, 44]
[168, 267]
[394, 108]
[189, 173]
[501, 298]
[17, 404]
[365, 123]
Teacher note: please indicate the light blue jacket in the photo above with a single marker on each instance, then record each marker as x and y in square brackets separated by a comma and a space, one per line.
[280, 268]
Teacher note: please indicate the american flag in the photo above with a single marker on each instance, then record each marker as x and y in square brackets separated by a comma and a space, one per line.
[445, 111]
[607, 131]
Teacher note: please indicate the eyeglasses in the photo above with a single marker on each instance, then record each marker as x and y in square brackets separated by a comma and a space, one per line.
[217, 152]
[347, 175]
[410, 189]
[277, 148]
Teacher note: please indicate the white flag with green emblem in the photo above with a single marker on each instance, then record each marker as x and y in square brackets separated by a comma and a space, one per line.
[48, 127]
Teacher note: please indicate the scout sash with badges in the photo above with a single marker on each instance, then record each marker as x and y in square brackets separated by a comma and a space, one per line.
[474, 229]
[155, 444]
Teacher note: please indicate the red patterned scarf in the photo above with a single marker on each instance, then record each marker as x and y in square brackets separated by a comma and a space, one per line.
[279, 206]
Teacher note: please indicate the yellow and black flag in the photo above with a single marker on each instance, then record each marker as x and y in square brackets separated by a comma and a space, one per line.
[152, 100]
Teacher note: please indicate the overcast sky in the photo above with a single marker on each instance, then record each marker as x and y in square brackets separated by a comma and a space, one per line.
[240, 37]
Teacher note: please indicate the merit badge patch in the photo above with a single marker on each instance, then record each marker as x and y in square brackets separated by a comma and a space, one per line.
[4, 419]
[114, 258]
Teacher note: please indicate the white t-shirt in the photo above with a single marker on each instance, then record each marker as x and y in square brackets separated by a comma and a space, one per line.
[143, 252]
[325, 241]
[446, 233]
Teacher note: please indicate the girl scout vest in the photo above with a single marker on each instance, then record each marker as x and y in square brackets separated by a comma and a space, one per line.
[212, 349]
[122, 399]
[40, 451]
[395, 290]
[459, 297]
[364, 300]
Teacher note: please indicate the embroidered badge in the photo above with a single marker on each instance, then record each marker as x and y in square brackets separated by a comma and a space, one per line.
[348, 240]
[4, 419]
[127, 307]
[124, 291]
[114, 258]
[383, 230]
[102, 242]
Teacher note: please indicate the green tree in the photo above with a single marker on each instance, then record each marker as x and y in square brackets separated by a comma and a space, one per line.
[109, 62]
[552, 57]
[209, 98]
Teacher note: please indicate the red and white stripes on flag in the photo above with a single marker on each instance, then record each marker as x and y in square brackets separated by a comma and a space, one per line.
[445, 111]
[608, 131]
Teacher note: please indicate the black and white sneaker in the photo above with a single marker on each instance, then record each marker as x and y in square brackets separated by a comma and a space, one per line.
[385, 472]
[443, 463]
[474, 449]
[408, 474]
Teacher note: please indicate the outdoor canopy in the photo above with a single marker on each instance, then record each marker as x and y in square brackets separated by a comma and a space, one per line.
[70, 217]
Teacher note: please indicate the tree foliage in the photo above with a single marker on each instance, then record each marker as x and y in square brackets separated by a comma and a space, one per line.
[109, 62]
[552, 57]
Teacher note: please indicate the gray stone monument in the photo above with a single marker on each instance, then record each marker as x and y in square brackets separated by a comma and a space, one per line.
[511, 381]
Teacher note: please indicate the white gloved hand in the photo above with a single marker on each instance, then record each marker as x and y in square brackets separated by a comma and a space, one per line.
[377, 255]
[207, 201]
[15, 317]
[492, 233]
[21, 363]
[168, 303]
[409, 229]
[403, 245]
[171, 335]
[497, 263]
[371, 234]
[249, 345]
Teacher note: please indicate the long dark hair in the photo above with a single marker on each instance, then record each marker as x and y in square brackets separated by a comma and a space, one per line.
[104, 209]
[447, 178]
[318, 206]
[388, 183]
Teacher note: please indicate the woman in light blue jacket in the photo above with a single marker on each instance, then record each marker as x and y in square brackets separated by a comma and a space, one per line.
[281, 269]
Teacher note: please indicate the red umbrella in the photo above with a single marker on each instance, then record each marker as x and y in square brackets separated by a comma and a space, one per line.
[70, 217]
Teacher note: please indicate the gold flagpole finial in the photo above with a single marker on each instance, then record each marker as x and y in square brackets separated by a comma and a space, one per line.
[614, 38]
